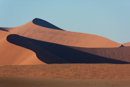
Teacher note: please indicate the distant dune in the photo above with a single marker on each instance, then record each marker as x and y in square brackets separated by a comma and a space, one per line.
[126, 44]
[41, 30]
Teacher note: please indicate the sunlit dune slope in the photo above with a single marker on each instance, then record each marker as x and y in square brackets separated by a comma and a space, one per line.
[11, 54]
[41, 30]
[126, 44]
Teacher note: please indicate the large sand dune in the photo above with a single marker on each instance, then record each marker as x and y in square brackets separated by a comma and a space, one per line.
[47, 43]
[41, 30]
[73, 54]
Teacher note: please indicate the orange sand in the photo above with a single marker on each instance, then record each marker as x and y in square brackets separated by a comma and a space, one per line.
[11, 54]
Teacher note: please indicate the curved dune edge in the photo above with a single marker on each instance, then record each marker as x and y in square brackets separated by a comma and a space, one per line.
[11, 54]
[38, 82]
[54, 53]
[31, 30]
[71, 54]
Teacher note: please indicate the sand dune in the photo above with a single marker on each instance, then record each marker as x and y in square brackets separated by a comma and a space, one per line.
[126, 44]
[50, 33]
[72, 54]
[49, 44]
[11, 54]
[29, 51]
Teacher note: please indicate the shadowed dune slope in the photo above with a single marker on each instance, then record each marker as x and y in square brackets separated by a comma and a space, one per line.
[126, 44]
[16, 50]
[41, 30]
[72, 54]
[11, 54]
[119, 53]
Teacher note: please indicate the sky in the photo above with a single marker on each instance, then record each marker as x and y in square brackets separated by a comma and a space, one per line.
[107, 18]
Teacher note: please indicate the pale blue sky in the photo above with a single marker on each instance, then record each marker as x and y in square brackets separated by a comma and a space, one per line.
[107, 18]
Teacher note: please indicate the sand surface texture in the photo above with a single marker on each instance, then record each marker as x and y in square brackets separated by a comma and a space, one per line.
[38, 82]
[69, 71]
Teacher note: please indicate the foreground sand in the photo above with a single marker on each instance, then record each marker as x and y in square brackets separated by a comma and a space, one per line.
[69, 71]
[65, 75]
[39, 82]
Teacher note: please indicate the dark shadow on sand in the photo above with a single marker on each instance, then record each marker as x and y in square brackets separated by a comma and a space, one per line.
[3, 29]
[44, 23]
[64, 52]
[122, 45]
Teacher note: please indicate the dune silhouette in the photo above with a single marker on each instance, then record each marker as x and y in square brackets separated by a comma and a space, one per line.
[63, 52]
[47, 34]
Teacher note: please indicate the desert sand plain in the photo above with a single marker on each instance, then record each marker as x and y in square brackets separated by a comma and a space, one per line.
[41, 54]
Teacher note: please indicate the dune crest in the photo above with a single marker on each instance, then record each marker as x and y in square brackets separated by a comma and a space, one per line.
[36, 29]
